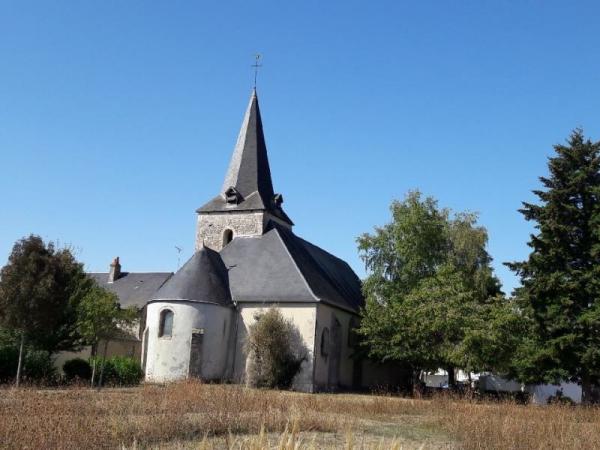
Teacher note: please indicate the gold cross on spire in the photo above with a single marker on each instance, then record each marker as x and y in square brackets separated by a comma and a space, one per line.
[256, 65]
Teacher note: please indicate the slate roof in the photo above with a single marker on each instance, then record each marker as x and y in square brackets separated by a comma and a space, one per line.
[133, 289]
[249, 172]
[280, 267]
[203, 278]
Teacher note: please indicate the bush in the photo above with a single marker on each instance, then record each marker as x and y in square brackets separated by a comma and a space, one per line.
[77, 369]
[38, 365]
[119, 371]
[9, 356]
[275, 351]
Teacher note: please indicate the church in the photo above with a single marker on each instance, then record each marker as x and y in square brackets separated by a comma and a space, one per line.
[248, 259]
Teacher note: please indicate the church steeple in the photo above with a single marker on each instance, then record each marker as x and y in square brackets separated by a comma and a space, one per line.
[249, 170]
[247, 188]
[248, 184]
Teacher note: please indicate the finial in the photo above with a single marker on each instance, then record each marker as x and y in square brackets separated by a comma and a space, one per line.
[256, 65]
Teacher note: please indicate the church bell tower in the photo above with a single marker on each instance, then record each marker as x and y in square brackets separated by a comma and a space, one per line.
[247, 202]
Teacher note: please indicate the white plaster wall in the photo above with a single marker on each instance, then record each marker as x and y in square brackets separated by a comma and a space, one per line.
[168, 357]
[63, 357]
[372, 374]
[325, 313]
[541, 392]
[303, 316]
[496, 383]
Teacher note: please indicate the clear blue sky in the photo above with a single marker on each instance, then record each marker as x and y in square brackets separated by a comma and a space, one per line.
[117, 119]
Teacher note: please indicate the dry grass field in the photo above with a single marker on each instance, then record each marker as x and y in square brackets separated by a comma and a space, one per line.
[197, 416]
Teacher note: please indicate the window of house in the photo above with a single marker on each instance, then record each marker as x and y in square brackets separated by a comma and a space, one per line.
[227, 237]
[165, 326]
[325, 342]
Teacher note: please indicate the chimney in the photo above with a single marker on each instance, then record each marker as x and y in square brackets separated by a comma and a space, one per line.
[115, 271]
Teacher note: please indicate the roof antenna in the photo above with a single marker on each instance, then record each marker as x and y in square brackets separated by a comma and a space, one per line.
[179, 250]
[256, 65]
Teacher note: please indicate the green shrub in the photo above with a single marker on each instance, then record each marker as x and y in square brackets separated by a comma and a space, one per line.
[119, 371]
[275, 351]
[9, 356]
[77, 369]
[38, 366]
[9, 353]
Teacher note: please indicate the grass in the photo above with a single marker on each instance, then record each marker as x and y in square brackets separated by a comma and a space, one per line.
[193, 415]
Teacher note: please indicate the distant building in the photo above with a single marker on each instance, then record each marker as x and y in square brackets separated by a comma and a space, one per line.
[133, 289]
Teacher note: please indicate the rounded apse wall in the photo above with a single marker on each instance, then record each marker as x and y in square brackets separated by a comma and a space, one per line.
[195, 343]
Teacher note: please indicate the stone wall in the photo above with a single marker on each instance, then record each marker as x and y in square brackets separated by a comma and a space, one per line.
[211, 227]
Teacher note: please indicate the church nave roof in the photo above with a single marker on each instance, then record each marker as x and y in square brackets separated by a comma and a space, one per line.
[280, 267]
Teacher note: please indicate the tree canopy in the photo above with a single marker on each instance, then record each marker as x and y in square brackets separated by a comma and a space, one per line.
[40, 288]
[432, 299]
[560, 293]
[99, 316]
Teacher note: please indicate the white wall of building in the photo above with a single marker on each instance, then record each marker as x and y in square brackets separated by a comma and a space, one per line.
[541, 392]
[303, 316]
[168, 358]
[324, 372]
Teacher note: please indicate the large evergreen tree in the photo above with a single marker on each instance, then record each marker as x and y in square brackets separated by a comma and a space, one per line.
[560, 293]
[431, 295]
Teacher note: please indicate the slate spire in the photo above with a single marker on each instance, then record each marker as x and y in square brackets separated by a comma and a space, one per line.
[249, 167]
[248, 185]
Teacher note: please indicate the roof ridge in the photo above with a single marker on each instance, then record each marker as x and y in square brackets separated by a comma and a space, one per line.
[277, 230]
[338, 287]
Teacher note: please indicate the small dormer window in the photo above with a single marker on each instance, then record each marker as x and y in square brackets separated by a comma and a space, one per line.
[232, 196]
[278, 200]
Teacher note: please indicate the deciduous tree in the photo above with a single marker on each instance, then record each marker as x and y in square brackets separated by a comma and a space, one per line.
[430, 289]
[99, 317]
[39, 290]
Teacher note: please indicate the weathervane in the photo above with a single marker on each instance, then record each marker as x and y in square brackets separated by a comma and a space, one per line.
[256, 65]
[179, 250]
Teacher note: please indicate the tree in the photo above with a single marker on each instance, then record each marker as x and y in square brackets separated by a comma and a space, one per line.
[99, 317]
[429, 289]
[275, 350]
[560, 293]
[39, 289]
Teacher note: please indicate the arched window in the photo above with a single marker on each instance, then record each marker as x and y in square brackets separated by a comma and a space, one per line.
[227, 237]
[165, 325]
[325, 342]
